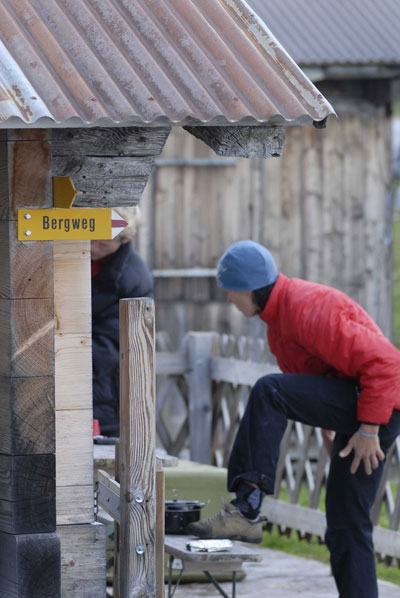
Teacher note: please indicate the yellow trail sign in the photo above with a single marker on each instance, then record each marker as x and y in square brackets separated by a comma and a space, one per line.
[55, 224]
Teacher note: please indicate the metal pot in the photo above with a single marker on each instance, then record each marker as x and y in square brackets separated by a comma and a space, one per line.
[179, 513]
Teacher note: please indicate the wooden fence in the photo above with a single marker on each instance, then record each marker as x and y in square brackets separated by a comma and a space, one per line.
[201, 395]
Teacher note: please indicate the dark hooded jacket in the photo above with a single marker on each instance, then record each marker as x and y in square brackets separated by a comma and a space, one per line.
[123, 275]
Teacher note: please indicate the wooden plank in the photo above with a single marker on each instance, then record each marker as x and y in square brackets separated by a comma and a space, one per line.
[200, 349]
[27, 494]
[73, 384]
[137, 448]
[108, 166]
[171, 363]
[27, 415]
[83, 560]
[74, 447]
[30, 565]
[237, 371]
[72, 287]
[105, 141]
[295, 517]
[73, 366]
[75, 504]
[109, 494]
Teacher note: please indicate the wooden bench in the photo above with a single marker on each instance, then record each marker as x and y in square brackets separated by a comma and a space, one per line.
[208, 562]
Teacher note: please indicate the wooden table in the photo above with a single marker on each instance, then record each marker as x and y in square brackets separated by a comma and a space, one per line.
[208, 562]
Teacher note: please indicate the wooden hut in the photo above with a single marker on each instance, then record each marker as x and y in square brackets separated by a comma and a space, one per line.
[324, 209]
[89, 91]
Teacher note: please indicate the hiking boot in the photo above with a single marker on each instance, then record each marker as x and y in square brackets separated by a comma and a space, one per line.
[228, 524]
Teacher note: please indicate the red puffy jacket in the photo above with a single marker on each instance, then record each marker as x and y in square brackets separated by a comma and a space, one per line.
[315, 329]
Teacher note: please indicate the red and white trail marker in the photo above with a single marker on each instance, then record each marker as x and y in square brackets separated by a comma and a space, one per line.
[117, 224]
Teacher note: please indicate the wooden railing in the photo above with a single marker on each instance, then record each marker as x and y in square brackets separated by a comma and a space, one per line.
[202, 391]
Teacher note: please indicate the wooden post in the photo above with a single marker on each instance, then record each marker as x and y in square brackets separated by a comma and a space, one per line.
[137, 449]
[83, 541]
[200, 349]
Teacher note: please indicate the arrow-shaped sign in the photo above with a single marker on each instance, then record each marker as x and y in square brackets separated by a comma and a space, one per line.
[117, 224]
[69, 223]
[64, 192]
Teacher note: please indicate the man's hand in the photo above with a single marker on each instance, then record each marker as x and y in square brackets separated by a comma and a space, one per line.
[367, 450]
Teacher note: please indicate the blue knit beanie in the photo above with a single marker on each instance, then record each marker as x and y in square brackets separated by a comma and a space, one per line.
[246, 266]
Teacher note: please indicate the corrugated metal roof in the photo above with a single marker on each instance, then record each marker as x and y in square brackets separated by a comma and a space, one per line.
[128, 62]
[335, 32]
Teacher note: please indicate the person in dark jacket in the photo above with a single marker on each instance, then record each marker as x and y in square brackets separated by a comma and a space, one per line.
[118, 272]
[339, 373]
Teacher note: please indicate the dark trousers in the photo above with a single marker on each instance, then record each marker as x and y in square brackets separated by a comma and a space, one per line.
[328, 403]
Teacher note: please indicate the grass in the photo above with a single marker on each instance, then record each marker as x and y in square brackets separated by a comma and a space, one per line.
[313, 549]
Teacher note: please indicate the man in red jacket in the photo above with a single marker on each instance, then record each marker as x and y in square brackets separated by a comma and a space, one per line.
[339, 373]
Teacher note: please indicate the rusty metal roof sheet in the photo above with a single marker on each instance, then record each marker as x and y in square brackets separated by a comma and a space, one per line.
[158, 62]
[326, 32]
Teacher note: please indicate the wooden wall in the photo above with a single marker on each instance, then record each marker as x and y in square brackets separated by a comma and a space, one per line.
[323, 209]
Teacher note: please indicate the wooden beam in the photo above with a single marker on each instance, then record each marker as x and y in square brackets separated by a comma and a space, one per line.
[27, 491]
[27, 415]
[108, 166]
[30, 565]
[30, 550]
[245, 142]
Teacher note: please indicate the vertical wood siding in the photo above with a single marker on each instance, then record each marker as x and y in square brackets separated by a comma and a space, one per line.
[321, 208]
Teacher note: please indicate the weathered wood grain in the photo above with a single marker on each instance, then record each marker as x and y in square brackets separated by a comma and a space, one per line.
[73, 383]
[72, 288]
[24, 267]
[245, 142]
[103, 182]
[73, 367]
[83, 560]
[137, 448]
[27, 417]
[104, 141]
[30, 565]
[26, 345]
[75, 504]
[30, 184]
[109, 167]
[74, 447]
[30, 554]
[27, 494]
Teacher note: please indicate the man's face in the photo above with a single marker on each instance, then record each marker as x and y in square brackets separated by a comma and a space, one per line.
[243, 300]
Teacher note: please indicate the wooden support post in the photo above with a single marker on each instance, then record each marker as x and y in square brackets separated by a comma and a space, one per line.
[137, 449]
[29, 546]
[83, 541]
[200, 350]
